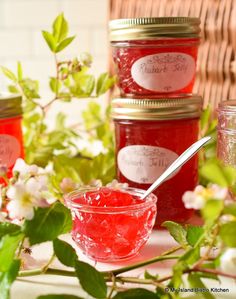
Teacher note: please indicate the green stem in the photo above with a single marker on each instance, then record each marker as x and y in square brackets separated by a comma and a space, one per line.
[21, 247]
[113, 287]
[45, 268]
[140, 281]
[141, 264]
[162, 257]
[49, 271]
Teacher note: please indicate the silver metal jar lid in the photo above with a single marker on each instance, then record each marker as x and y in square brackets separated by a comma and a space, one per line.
[10, 105]
[148, 28]
[165, 108]
[228, 105]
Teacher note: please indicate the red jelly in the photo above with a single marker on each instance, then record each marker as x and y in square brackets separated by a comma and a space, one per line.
[155, 56]
[150, 135]
[109, 224]
[11, 140]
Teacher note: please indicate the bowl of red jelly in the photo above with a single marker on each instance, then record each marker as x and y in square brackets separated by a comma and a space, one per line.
[155, 56]
[111, 224]
[150, 135]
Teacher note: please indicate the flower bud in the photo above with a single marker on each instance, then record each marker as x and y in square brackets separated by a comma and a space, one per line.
[86, 59]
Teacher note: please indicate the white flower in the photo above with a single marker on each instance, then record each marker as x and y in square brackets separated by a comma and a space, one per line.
[27, 261]
[67, 185]
[196, 199]
[24, 169]
[98, 148]
[193, 201]
[228, 261]
[86, 59]
[96, 183]
[94, 147]
[25, 196]
[218, 192]
[116, 185]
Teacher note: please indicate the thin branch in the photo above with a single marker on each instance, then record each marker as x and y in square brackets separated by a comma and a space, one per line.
[142, 264]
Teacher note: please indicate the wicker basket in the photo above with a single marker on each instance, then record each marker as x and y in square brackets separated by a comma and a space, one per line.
[216, 68]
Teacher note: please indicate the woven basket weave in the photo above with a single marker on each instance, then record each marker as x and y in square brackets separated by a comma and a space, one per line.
[216, 67]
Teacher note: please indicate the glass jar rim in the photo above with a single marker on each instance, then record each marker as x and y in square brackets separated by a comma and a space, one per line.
[148, 202]
[10, 105]
[157, 108]
[229, 105]
[146, 28]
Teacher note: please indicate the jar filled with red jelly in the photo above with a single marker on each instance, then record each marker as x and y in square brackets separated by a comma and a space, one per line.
[155, 56]
[11, 140]
[150, 135]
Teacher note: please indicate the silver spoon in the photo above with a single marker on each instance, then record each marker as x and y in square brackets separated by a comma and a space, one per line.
[181, 160]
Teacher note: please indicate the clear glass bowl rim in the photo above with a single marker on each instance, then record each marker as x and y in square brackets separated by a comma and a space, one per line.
[148, 202]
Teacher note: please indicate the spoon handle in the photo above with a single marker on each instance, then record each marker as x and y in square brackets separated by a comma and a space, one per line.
[182, 159]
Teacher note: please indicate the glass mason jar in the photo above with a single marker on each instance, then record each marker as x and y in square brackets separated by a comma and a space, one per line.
[155, 56]
[11, 139]
[226, 141]
[150, 135]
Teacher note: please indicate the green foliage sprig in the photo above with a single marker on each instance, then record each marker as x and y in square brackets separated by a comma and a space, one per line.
[60, 146]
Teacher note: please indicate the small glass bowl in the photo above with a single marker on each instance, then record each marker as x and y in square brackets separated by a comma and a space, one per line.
[111, 234]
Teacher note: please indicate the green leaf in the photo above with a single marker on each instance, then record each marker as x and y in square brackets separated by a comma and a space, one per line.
[205, 116]
[230, 174]
[19, 71]
[230, 209]
[228, 233]
[13, 89]
[64, 252]
[9, 74]
[8, 247]
[48, 224]
[104, 83]
[138, 293]
[191, 256]
[194, 233]
[212, 209]
[196, 283]
[212, 171]
[60, 28]
[7, 278]
[177, 232]
[64, 43]
[60, 121]
[54, 84]
[91, 280]
[178, 270]
[148, 275]
[50, 40]
[57, 296]
[7, 228]
[86, 84]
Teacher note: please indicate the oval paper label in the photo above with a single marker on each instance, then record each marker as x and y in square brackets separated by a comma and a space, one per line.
[164, 72]
[143, 163]
[9, 150]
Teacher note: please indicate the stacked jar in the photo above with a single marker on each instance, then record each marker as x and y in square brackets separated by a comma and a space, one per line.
[156, 117]
[11, 139]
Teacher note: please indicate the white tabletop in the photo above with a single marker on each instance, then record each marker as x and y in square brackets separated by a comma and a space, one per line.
[160, 241]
